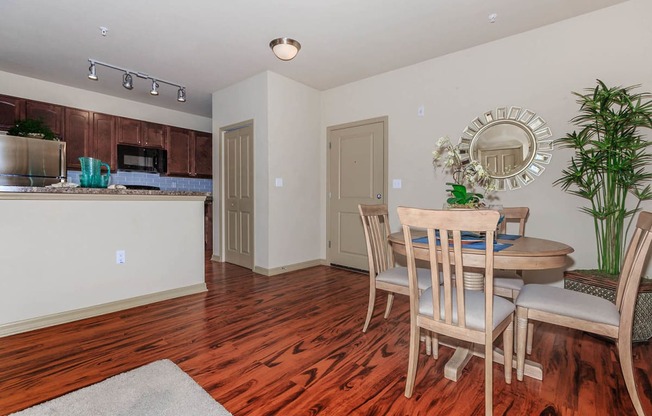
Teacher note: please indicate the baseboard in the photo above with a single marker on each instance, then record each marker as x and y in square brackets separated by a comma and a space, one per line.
[290, 268]
[77, 314]
[216, 258]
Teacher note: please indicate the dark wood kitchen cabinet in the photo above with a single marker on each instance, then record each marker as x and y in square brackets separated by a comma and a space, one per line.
[190, 153]
[141, 133]
[104, 139]
[178, 148]
[50, 114]
[78, 136]
[203, 152]
[12, 109]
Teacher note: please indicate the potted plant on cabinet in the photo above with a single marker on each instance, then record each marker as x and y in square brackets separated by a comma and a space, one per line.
[33, 128]
[609, 170]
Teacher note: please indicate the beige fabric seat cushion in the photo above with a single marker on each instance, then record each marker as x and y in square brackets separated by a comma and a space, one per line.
[514, 283]
[568, 303]
[399, 276]
[474, 300]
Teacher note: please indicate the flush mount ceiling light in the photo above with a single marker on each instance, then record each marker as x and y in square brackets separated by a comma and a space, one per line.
[128, 81]
[285, 48]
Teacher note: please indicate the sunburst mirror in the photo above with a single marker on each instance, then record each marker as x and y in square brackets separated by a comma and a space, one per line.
[513, 145]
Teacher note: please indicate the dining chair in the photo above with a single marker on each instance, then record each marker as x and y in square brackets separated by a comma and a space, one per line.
[585, 312]
[383, 273]
[449, 309]
[508, 283]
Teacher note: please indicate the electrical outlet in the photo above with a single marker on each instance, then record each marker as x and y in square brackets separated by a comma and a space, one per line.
[120, 257]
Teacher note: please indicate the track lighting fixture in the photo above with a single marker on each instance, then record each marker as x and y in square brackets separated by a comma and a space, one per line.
[181, 95]
[285, 48]
[91, 72]
[154, 90]
[128, 81]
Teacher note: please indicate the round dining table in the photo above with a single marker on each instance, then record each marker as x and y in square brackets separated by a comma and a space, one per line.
[524, 253]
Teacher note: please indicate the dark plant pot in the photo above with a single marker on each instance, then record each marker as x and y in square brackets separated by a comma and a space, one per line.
[606, 289]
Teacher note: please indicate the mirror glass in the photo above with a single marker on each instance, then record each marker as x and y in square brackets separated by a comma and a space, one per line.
[511, 144]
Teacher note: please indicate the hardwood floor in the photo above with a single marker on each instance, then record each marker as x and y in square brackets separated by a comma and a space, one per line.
[293, 345]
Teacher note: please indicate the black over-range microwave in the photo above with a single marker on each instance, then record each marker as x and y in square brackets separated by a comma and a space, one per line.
[141, 159]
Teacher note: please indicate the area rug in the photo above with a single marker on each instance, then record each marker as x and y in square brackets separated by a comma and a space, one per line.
[157, 389]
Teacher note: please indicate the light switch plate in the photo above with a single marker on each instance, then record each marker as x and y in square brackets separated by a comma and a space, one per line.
[421, 111]
[279, 182]
[396, 184]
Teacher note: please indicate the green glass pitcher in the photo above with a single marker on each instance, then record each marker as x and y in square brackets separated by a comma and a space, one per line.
[91, 174]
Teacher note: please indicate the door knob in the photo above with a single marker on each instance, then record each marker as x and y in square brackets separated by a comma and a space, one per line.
[379, 196]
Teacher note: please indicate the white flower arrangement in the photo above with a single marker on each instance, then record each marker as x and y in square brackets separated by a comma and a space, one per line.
[465, 171]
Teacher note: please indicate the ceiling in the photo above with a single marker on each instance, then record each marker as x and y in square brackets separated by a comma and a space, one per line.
[208, 45]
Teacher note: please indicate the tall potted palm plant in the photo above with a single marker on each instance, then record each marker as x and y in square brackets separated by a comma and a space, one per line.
[610, 171]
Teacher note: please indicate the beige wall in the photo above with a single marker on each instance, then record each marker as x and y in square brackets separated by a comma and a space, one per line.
[59, 255]
[240, 103]
[36, 89]
[535, 70]
[286, 145]
[294, 155]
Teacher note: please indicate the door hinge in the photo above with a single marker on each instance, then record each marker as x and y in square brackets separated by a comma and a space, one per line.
[329, 145]
[329, 243]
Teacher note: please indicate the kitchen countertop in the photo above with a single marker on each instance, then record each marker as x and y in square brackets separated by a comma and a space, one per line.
[102, 193]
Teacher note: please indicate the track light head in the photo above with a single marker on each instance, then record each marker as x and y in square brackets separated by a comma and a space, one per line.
[181, 95]
[92, 74]
[127, 81]
[154, 90]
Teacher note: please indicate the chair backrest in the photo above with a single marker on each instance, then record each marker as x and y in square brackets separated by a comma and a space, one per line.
[633, 269]
[375, 222]
[449, 224]
[514, 214]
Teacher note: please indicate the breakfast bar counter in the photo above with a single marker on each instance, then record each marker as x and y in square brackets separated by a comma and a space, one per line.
[71, 253]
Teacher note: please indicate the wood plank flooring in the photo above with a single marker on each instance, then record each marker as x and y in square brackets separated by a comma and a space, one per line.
[293, 345]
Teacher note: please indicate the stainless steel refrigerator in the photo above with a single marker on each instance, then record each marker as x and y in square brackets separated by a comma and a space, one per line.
[26, 161]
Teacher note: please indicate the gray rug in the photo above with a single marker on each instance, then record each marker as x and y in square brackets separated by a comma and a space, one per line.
[157, 389]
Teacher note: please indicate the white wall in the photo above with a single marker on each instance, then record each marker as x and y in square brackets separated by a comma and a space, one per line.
[286, 145]
[536, 70]
[36, 89]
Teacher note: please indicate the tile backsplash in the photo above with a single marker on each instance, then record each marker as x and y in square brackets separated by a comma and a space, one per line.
[164, 182]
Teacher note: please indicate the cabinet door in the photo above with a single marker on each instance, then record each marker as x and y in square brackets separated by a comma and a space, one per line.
[155, 135]
[130, 131]
[178, 152]
[203, 154]
[51, 114]
[12, 109]
[104, 139]
[77, 135]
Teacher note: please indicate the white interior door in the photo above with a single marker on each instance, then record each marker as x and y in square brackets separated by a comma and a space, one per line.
[239, 197]
[357, 175]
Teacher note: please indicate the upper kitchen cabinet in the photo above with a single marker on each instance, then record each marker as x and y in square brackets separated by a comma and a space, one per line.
[178, 147]
[50, 114]
[189, 153]
[141, 133]
[77, 135]
[104, 139]
[203, 154]
[12, 109]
